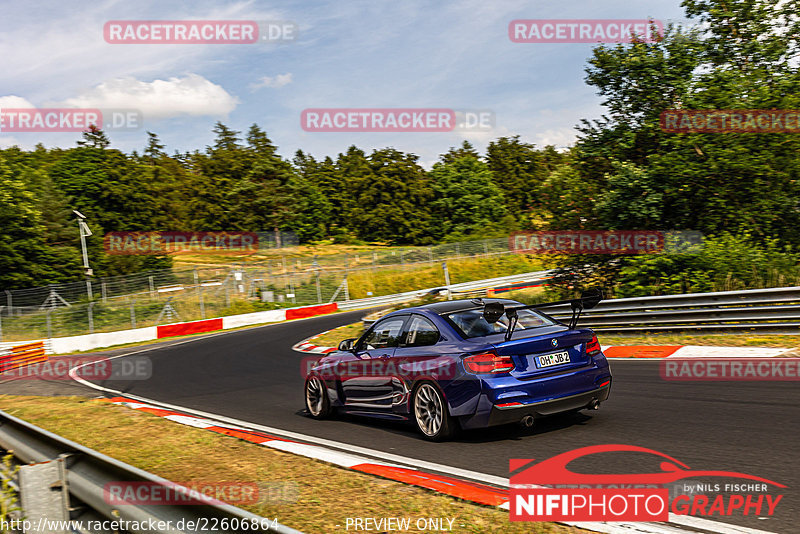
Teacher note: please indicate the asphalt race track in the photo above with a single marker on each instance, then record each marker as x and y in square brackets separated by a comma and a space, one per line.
[750, 427]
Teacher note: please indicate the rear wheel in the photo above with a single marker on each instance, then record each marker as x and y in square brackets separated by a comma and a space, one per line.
[431, 414]
[317, 402]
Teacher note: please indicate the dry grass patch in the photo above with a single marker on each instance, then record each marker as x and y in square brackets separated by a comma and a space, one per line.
[333, 337]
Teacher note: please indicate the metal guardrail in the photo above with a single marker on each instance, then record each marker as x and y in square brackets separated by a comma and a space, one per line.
[77, 482]
[774, 310]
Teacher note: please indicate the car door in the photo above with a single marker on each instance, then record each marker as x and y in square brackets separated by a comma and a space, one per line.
[414, 358]
[365, 383]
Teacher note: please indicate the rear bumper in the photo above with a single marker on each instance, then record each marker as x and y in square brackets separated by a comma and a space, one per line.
[507, 400]
[513, 414]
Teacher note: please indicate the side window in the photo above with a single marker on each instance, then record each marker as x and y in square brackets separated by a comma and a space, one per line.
[421, 332]
[385, 333]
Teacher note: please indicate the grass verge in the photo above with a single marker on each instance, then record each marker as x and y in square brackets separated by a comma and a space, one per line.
[333, 337]
[325, 495]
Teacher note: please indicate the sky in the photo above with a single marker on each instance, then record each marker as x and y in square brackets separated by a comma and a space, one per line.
[345, 54]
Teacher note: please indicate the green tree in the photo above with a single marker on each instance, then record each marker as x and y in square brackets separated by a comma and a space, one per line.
[390, 199]
[26, 256]
[520, 169]
[467, 201]
[632, 200]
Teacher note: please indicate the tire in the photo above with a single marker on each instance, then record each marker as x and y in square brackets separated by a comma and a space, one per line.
[431, 414]
[316, 394]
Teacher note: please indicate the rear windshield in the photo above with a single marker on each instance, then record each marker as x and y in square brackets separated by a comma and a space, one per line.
[472, 324]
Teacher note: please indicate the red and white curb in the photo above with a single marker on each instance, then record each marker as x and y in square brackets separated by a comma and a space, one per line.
[307, 346]
[689, 351]
[477, 492]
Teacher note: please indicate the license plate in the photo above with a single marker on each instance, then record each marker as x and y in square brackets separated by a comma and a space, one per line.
[549, 360]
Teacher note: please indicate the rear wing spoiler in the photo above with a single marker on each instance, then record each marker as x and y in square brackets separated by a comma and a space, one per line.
[492, 311]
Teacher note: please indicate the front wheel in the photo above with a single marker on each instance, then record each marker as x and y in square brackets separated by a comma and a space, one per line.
[317, 402]
[431, 414]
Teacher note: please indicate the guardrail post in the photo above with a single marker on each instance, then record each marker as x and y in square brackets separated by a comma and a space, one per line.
[49, 323]
[133, 313]
[44, 492]
[447, 280]
[103, 291]
[9, 302]
[202, 303]
[91, 318]
[319, 290]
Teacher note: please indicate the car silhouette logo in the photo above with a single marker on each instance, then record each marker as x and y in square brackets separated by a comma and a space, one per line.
[554, 470]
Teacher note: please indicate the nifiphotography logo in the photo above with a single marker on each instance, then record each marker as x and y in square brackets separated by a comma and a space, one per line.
[548, 491]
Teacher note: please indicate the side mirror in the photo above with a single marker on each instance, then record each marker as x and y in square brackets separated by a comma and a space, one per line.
[492, 311]
[346, 345]
[591, 298]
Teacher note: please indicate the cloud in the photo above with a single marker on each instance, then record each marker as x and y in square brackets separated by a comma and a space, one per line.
[13, 101]
[558, 137]
[191, 95]
[8, 142]
[272, 81]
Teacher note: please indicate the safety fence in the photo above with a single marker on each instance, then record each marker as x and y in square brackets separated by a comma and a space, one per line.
[282, 268]
[221, 291]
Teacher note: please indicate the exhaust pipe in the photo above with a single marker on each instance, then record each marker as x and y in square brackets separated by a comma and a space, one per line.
[527, 421]
[594, 405]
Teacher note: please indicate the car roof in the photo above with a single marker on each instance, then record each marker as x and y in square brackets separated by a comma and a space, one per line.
[450, 306]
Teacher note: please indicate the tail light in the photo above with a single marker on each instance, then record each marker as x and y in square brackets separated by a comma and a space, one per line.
[488, 362]
[593, 346]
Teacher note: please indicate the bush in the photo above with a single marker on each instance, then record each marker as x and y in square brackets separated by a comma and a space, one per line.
[723, 263]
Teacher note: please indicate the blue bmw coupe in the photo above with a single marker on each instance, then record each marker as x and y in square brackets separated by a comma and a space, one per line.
[464, 364]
